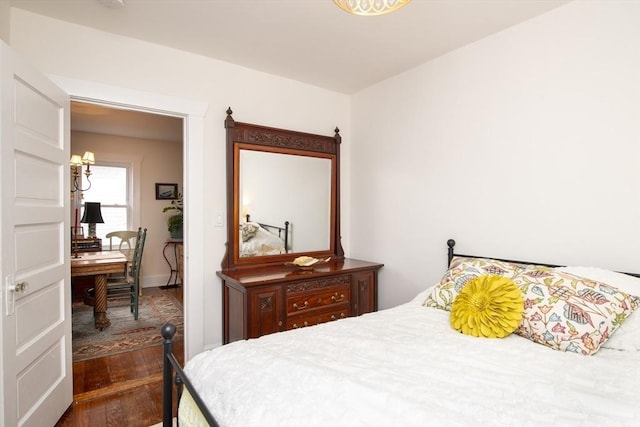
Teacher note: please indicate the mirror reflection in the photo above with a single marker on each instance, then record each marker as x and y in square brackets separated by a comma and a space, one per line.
[284, 203]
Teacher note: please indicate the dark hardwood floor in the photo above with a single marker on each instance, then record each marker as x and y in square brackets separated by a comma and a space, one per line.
[120, 390]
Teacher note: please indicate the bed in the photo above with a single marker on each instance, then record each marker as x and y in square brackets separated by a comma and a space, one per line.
[573, 360]
[260, 239]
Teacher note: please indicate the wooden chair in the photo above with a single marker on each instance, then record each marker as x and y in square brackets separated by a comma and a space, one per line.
[124, 240]
[129, 285]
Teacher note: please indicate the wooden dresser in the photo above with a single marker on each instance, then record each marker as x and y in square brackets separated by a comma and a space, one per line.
[261, 295]
[271, 299]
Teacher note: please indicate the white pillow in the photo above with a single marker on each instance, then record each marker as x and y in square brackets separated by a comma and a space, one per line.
[627, 337]
[422, 295]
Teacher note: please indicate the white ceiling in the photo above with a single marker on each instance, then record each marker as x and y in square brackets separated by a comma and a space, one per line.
[310, 41]
[134, 124]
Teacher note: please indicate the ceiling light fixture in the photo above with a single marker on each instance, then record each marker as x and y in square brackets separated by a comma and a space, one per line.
[370, 7]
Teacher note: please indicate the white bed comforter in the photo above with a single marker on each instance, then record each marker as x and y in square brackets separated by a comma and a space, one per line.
[406, 367]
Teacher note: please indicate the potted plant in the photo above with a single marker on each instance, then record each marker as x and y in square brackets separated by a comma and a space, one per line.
[175, 221]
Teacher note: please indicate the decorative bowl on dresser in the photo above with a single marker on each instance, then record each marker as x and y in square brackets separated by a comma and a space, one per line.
[264, 293]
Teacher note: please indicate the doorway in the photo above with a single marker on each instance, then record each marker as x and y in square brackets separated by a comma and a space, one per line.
[193, 144]
[136, 139]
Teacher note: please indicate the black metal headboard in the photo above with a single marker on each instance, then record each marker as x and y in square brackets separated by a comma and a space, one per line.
[281, 230]
[450, 254]
[276, 228]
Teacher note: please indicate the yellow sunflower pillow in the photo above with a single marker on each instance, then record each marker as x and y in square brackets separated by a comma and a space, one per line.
[488, 306]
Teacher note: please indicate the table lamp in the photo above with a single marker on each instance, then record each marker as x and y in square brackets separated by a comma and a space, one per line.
[92, 215]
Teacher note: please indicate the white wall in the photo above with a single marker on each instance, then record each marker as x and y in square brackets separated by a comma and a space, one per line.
[523, 145]
[5, 21]
[80, 53]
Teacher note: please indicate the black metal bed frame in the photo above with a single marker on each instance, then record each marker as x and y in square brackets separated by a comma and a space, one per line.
[171, 365]
[450, 254]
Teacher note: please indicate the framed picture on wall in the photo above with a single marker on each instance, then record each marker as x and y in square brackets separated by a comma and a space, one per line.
[166, 191]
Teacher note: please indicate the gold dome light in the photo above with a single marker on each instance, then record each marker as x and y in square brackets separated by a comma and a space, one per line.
[370, 7]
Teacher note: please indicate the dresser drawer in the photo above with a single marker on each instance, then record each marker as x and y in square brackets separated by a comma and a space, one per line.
[301, 302]
[318, 284]
[296, 322]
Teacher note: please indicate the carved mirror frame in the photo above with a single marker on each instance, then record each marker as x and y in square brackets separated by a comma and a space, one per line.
[283, 141]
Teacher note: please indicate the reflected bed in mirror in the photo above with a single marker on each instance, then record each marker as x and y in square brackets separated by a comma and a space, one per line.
[260, 239]
[280, 188]
[274, 177]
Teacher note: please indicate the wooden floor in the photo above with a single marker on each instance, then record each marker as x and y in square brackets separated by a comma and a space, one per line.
[123, 390]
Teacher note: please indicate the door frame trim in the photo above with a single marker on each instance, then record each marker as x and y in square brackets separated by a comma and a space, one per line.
[193, 113]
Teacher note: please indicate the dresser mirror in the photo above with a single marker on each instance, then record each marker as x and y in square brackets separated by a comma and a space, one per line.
[270, 198]
[282, 195]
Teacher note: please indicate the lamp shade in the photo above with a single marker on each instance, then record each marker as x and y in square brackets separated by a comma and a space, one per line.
[92, 213]
[76, 160]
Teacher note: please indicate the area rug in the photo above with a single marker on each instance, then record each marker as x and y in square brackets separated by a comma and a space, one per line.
[125, 333]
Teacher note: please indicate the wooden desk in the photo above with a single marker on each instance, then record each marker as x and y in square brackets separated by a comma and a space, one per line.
[99, 265]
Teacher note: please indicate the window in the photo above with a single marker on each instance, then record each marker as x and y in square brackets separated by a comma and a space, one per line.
[110, 186]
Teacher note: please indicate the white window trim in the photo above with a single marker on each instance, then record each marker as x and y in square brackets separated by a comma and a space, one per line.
[133, 182]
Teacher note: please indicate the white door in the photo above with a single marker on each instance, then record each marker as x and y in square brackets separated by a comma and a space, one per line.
[37, 378]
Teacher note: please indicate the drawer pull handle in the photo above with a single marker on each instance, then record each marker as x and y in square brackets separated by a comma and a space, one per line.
[335, 298]
[333, 316]
[297, 307]
[295, 325]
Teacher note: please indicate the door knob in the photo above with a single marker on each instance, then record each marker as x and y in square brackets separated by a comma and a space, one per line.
[21, 287]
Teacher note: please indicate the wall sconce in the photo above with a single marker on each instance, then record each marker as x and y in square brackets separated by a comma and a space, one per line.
[92, 215]
[76, 167]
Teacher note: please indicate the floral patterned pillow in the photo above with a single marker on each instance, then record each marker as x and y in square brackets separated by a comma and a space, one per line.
[460, 271]
[627, 337]
[248, 231]
[571, 313]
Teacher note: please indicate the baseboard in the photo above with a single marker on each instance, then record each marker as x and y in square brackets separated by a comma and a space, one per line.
[154, 281]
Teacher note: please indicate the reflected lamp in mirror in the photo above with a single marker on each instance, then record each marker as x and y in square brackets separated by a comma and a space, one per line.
[77, 163]
[245, 214]
[92, 215]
